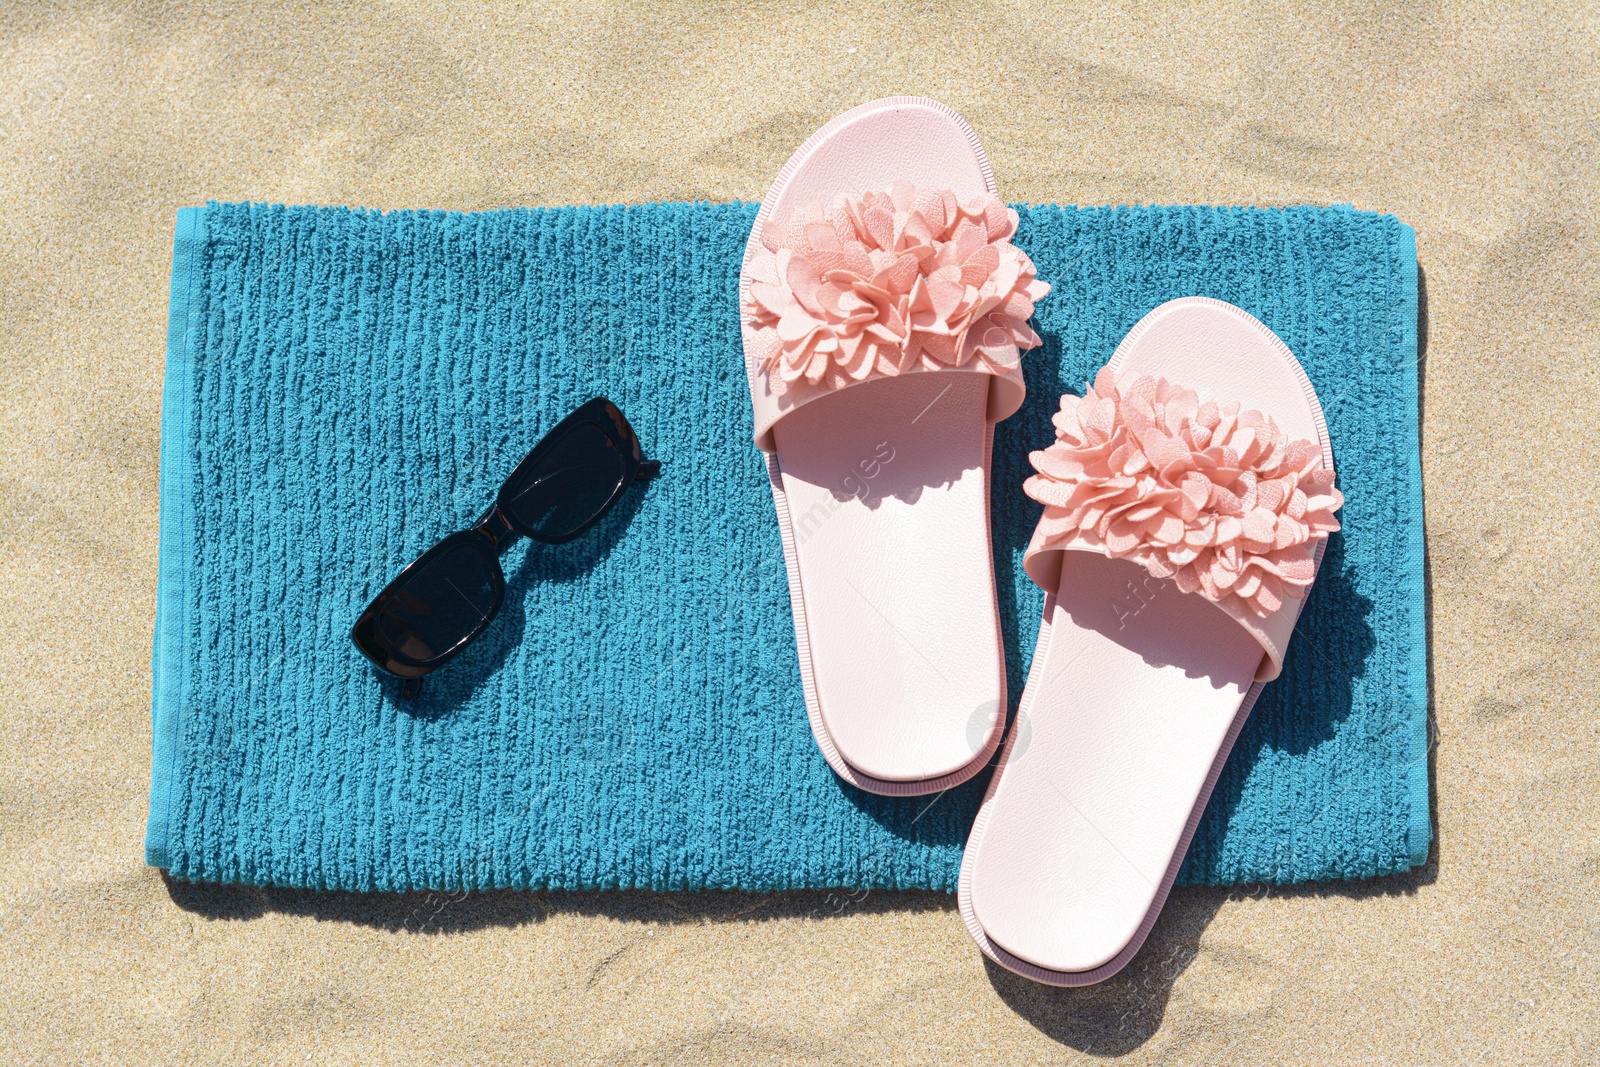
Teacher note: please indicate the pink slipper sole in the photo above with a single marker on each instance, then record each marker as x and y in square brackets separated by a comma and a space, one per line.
[883, 309]
[1140, 683]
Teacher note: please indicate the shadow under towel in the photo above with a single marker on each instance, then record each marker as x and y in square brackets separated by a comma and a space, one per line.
[346, 387]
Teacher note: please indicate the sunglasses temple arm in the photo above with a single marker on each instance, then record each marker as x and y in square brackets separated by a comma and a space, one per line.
[648, 469]
[410, 687]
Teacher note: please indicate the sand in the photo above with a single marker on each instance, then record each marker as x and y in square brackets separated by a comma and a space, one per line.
[1475, 126]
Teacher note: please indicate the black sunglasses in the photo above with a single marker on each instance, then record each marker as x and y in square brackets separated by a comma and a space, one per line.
[452, 592]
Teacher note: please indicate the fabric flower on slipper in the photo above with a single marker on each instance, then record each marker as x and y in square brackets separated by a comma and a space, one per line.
[885, 282]
[1217, 499]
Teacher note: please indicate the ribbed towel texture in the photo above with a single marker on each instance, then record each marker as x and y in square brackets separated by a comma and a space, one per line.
[345, 387]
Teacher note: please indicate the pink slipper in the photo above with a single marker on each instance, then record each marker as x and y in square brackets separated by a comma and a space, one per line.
[884, 309]
[1188, 499]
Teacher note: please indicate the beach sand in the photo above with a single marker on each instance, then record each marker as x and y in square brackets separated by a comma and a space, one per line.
[1475, 126]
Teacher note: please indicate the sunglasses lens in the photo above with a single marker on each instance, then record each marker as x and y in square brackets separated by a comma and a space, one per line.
[572, 483]
[442, 605]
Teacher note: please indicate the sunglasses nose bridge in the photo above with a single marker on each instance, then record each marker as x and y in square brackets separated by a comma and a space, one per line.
[494, 525]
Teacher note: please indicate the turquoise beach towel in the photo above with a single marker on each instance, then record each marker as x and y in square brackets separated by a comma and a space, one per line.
[346, 387]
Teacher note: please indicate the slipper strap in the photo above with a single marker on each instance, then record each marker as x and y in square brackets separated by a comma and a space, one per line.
[1216, 500]
[882, 284]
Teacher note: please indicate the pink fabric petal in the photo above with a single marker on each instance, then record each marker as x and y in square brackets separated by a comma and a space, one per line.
[1259, 525]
